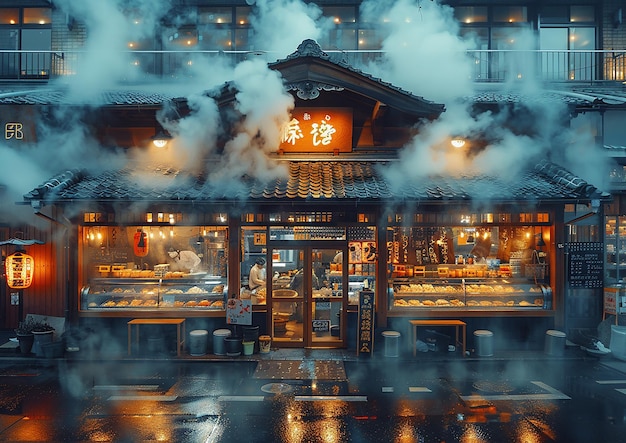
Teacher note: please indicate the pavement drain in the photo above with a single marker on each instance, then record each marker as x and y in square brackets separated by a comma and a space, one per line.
[501, 387]
[276, 388]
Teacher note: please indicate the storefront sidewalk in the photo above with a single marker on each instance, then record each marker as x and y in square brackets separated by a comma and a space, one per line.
[9, 351]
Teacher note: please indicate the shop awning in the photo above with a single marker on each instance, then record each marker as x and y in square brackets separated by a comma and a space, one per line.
[312, 181]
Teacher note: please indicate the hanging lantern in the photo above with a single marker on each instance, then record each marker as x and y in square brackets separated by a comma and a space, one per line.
[140, 243]
[19, 270]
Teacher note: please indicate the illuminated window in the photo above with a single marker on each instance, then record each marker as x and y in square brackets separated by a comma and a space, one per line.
[9, 16]
[340, 14]
[242, 15]
[215, 16]
[471, 14]
[582, 14]
[510, 14]
[37, 16]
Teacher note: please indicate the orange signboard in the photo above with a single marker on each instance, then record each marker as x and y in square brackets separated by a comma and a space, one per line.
[318, 130]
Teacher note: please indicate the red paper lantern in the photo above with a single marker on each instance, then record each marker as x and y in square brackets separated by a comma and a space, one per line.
[140, 243]
[19, 270]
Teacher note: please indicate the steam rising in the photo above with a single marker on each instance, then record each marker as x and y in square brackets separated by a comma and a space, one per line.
[423, 54]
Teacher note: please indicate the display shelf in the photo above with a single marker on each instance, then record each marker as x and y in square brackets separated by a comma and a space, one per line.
[487, 294]
[207, 293]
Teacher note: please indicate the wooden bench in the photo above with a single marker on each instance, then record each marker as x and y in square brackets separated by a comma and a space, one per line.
[180, 330]
[413, 324]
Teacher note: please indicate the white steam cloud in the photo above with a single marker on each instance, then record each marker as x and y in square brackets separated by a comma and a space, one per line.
[423, 54]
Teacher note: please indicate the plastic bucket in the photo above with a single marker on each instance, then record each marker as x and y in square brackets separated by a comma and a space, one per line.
[233, 346]
[554, 342]
[392, 343]
[483, 340]
[251, 333]
[219, 335]
[618, 342]
[248, 347]
[265, 344]
[198, 341]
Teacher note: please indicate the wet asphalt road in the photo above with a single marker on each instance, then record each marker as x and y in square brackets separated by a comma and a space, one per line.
[378, 400]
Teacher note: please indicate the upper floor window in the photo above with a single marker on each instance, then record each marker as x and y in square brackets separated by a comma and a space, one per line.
[37, 16]
[555, 15]
[471, 14]
[9, 16]
[510, 14]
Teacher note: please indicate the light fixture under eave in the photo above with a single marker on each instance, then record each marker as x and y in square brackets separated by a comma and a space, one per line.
[161, 138]
[457, 142]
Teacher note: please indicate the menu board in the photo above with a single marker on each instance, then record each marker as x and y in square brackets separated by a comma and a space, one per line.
[586, 264]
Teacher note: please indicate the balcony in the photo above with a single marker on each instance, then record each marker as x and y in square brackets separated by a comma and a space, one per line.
[487, 65]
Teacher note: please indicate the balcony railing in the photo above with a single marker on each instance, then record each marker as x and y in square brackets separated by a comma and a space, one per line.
[486, 65]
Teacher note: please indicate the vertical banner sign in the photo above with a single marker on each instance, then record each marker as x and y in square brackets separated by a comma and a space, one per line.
[238, 311]
[365, 333]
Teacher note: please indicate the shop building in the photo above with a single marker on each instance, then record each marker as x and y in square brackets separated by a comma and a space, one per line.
[341, 196]
[155, 241]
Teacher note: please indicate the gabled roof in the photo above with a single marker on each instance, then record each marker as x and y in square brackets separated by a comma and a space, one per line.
[309, 70]
[310, 182]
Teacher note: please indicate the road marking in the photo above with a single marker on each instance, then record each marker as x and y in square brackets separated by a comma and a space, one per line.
[387, 388]
[611, 382]
[125, 387]
[241, 398]
[331, 398]
[419, 389]
[142, 397]
[552, 394]
[621, 391]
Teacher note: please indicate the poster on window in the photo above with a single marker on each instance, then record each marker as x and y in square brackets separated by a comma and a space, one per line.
[239, 311]
[354, 252]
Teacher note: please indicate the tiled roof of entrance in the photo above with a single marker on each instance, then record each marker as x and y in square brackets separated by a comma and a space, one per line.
[310, 182]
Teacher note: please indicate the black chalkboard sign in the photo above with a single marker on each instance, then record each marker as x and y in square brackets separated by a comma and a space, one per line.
[365, 333]
[586, 264]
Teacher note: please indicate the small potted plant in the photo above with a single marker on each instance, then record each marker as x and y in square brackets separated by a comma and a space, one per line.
[25, 336]
[43, 334]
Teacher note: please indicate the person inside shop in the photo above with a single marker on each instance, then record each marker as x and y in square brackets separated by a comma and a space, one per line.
[184, 260]
[257, 277]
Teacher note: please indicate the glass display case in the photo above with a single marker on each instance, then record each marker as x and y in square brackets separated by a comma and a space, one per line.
[615, 249]
[152, 293]
[468, 293]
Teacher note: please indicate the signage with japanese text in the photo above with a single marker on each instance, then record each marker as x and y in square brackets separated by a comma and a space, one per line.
[318, 130]
[586, 264]
[321, 325]
[365, 333]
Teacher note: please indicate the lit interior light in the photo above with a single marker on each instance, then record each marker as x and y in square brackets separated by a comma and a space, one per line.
[457, 142]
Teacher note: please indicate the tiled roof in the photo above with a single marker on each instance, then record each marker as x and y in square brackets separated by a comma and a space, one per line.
[606, 95]
[311, 181]
[49, 96]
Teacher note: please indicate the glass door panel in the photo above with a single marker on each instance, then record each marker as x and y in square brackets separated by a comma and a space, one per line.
[287, 297]
[328, 298]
